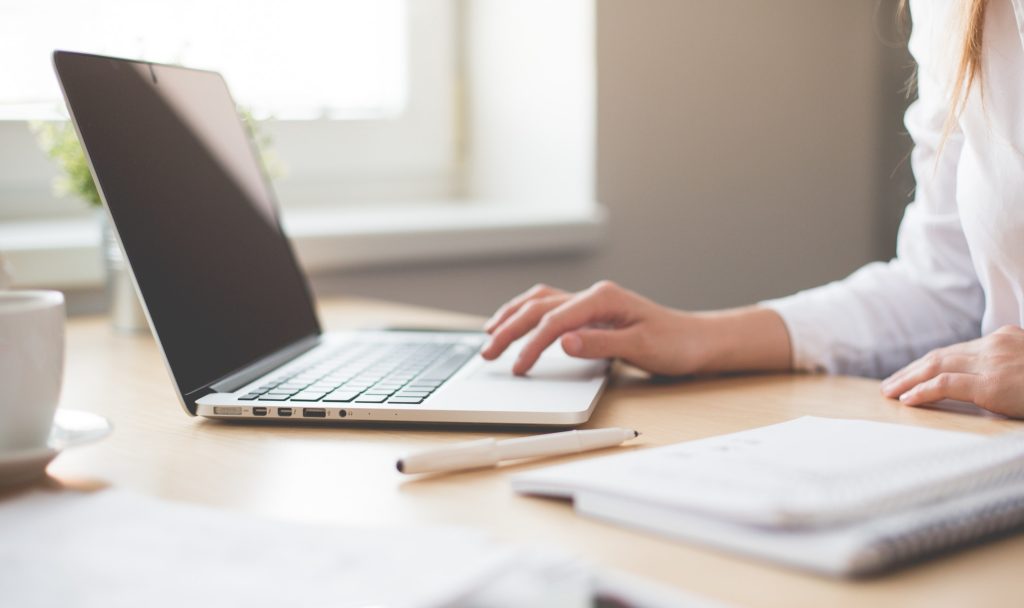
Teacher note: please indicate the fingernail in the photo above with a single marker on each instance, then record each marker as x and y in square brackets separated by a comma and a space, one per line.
[572, 344]
[517, 367]
[905, 396]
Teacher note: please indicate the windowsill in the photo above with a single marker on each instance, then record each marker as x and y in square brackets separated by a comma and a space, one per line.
[65, 253]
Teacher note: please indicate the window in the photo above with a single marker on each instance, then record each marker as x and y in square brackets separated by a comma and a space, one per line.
[474, 120]
[298, 59]
[359, 91]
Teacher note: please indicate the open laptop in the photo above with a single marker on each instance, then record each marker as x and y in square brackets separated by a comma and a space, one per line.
[225, 297]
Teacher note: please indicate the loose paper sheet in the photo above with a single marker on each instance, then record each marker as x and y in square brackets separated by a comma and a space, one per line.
[113, 549]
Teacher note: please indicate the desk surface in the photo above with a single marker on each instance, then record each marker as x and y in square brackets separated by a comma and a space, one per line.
[346, 474]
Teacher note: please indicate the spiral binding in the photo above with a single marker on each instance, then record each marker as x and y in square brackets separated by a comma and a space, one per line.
[960, 522]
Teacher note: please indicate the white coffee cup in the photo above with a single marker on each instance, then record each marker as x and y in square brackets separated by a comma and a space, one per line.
[31, 366]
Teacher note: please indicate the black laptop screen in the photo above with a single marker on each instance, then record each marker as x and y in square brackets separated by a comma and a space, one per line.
[195, 215]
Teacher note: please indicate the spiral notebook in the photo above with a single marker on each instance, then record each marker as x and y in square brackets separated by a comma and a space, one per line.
[840, 497]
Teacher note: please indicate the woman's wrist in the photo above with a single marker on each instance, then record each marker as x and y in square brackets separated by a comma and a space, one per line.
[752, 338]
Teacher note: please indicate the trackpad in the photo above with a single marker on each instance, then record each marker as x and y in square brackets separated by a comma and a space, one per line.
[557, 384]
[553, 365]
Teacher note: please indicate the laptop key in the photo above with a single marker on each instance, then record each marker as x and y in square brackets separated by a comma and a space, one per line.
[342, 396]
[425, 384]
[270, 397]
[371, 399]
[406, 400]
[444, 371]
[362, 383]
[309, 396]
[250, 396]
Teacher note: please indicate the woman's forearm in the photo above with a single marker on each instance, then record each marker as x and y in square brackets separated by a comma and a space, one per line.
[752, 338]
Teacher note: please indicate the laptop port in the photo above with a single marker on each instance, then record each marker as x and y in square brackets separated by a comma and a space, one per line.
[227, 410]
[342, 413]
[314, 412]
[259, 411]
[284, 411]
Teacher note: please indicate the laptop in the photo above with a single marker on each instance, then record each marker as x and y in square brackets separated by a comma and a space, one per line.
[224, 294]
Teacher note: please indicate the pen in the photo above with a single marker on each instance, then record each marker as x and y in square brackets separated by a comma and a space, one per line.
[489, 452]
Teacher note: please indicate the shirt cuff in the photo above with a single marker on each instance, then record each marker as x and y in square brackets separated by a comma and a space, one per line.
[811, 351]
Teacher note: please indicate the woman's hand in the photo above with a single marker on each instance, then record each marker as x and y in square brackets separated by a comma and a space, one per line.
[988, 372]
[603, 321]
[607, 321]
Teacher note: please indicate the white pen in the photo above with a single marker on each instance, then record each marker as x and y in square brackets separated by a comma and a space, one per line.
[489, 452]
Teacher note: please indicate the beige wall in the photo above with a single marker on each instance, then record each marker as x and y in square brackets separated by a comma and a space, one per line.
[744, 151]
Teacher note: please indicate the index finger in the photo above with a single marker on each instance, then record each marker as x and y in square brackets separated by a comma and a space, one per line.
[509, 308]
[585, 309]
[958, 386]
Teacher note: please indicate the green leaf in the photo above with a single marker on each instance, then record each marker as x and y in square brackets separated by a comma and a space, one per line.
[60, 142]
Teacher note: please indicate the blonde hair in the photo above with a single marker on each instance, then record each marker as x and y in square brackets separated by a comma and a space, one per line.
[968, 69]
[968, 66]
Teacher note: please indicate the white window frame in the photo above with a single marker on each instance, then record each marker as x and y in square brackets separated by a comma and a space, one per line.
[411, 155]
[513, 174]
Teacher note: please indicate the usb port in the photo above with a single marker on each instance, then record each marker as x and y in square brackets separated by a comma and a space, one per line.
[284, 411]
[227, 410]
[259, 411]
[314, 412]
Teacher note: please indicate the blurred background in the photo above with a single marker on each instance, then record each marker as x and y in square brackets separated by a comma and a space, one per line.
[452, 153]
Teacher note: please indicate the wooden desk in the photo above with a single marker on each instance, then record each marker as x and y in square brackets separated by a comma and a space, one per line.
[346, 474]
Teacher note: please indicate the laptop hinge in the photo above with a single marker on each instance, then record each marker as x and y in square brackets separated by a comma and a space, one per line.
[247, 374]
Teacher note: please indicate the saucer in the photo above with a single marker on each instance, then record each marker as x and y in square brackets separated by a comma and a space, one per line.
[70, 428]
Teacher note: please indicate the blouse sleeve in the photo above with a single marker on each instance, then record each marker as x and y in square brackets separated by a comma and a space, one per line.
[887, 314]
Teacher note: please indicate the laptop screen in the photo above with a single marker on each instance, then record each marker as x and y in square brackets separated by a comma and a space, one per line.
[194, 212]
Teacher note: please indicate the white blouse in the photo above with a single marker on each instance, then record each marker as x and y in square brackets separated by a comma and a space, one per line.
[959, 269]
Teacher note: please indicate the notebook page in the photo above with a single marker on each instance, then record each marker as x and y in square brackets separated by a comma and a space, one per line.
[766, 476]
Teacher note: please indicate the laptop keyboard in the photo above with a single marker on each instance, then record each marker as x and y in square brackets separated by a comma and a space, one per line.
[377, 372]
